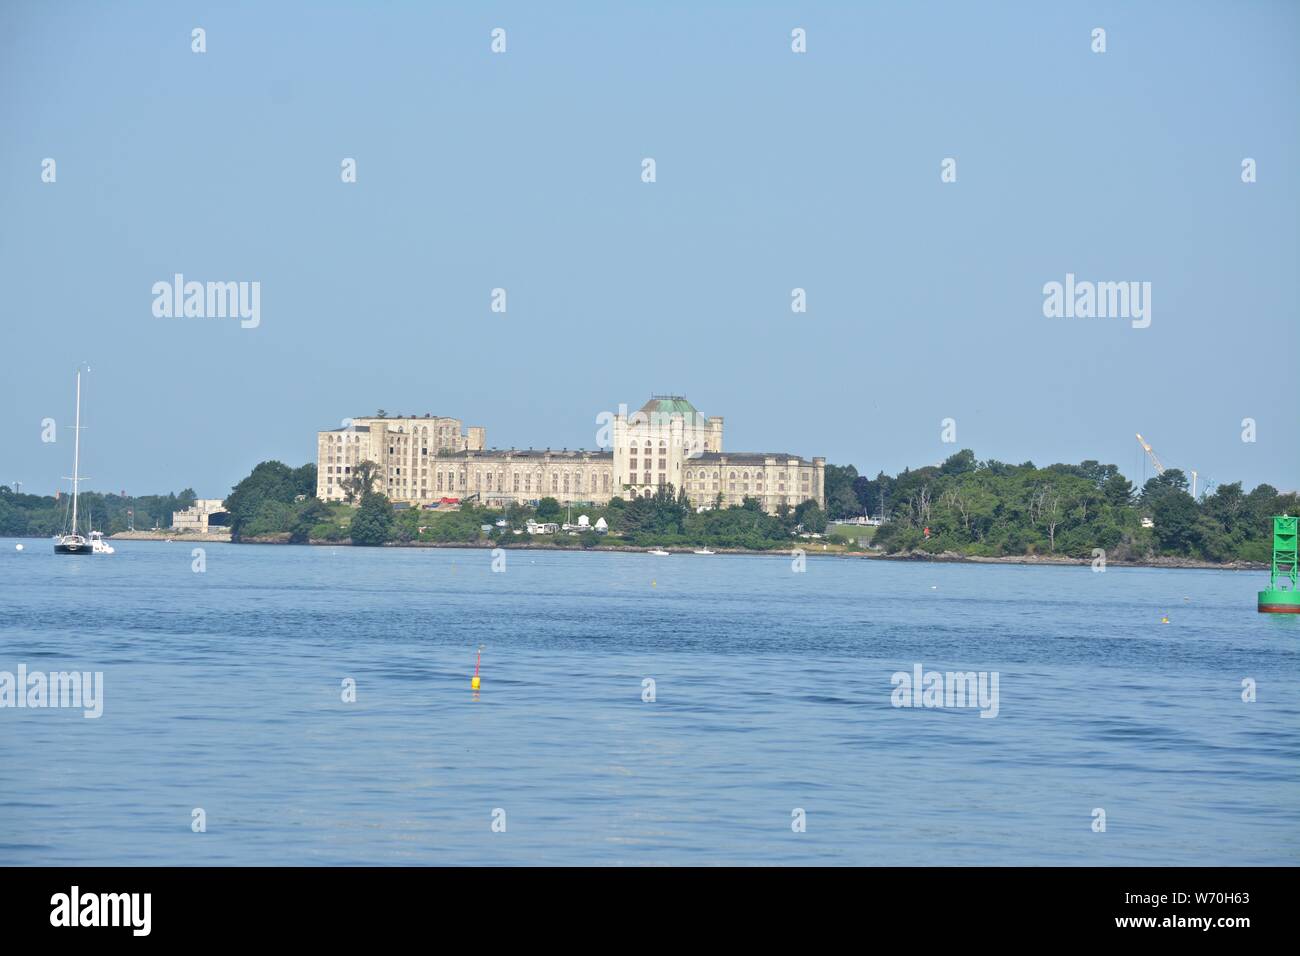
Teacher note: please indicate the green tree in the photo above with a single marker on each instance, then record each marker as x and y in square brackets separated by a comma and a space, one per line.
[1174, 514]
[313, 513]
[1118, 491]
[874, 493]
[1171, 479]
[841, 500]
[304, 479]
[269, 482]
[361, 481]
[810, 515]
[959, 463]
[373, 522]
[270, 518]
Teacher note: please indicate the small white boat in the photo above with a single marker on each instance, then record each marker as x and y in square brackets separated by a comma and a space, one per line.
[98, 545]
[703, 551]
[659, 551]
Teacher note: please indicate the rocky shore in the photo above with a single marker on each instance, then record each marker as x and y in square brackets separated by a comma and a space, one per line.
[222, 536]
[1154, 562]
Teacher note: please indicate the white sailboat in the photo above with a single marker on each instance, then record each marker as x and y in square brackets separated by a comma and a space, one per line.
[74, 542]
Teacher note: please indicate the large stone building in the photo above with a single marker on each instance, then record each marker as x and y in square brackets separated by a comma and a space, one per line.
[402, 448]
[665, 443]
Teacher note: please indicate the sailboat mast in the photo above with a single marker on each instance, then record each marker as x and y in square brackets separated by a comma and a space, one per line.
[76, 455]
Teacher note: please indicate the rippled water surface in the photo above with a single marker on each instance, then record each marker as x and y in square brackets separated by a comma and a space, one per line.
[222, 691]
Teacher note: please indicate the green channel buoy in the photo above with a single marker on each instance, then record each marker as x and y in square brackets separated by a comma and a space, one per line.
[1282, 597]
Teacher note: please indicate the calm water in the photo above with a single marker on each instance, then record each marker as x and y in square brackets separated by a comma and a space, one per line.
[222, 691]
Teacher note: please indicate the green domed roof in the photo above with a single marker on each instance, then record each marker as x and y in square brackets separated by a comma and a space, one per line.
[668, 405]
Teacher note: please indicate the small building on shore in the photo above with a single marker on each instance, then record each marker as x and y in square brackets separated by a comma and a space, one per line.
[204, 514]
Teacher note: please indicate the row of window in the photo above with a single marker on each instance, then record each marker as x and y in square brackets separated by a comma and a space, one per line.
[697, 494]
[662, 444]
[490, 481]
[744, 475]
[423, 431]
[393, 451]
[696, 481]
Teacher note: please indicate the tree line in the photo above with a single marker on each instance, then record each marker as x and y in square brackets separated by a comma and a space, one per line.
[992, 508]
[24, 515]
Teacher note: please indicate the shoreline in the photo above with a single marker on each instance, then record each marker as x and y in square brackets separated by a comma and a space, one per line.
[944, 557]
[810, 549]
[168, 536]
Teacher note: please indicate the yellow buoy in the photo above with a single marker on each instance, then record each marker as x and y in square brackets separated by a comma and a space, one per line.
[1165, 619]
[473, 683]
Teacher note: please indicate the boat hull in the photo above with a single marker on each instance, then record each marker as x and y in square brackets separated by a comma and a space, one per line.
[72, 548]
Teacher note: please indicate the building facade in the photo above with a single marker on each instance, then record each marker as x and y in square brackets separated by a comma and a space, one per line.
[402, 448]
[666, 443]
[196, 518]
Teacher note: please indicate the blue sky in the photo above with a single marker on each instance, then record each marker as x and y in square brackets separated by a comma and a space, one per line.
[775, 170]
